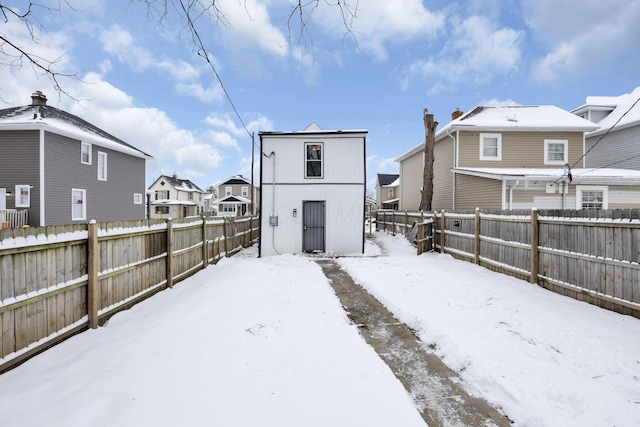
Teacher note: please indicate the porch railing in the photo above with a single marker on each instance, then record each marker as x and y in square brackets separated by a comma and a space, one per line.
[13, 218]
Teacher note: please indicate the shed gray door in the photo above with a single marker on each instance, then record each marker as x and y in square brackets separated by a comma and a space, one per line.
[313, 226]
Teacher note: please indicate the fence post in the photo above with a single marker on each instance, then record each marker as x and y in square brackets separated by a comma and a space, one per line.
[93, 286]
[421, 234]
[534, 246]
[170, 252]
[476, 245]
[224, 233]
[442, 231]
[205, 246]
[406, 223]
[393, 223]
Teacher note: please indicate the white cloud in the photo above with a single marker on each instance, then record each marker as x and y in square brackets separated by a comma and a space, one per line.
[249, 24]
[379, 22]
[477, 50]
[579, 37]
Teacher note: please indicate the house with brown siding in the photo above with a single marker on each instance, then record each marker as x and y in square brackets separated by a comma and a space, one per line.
[61, 169]
[235, 196]
[515, 157]
[387, 186]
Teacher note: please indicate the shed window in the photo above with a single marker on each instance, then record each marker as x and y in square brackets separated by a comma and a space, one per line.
[490, 146]
[313, 167]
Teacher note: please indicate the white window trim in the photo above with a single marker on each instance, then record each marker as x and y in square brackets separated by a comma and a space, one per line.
[245, 191]
[102, 157]
[84, 204]
[321, 160]
[546, 151]
[498, 137]
[228, 191]
[82, 145]
[137, 198]
[581, 188]
[18, 196]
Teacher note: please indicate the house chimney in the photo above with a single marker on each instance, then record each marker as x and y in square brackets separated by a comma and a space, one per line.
[38, 99]
[456, 114]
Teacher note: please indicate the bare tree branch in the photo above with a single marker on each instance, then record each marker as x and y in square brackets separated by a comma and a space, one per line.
[15, 56]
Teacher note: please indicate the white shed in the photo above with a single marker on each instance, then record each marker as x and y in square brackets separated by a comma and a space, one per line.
[313, 185]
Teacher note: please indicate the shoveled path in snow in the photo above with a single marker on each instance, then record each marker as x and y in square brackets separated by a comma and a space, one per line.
[434, 387]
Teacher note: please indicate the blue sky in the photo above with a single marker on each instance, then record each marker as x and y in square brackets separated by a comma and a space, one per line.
[143, 81]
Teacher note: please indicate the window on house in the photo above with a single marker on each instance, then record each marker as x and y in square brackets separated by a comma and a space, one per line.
[137, 198]
[591, 197]
[228, 207]
[162, 210]
[313, 167]
[162, 194]
[391, 193]
[23, 196]
[78, 204]
[227, 191]
[490, 146]
[102, 166]
[556, 152]
[245, 191]
[191, 196]
[85, 153]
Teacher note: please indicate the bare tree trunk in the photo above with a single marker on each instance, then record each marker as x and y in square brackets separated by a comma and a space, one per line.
[427, 175]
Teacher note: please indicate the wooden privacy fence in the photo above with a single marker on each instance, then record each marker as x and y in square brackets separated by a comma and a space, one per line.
[589, 255]
[417, 226]
[56, 281]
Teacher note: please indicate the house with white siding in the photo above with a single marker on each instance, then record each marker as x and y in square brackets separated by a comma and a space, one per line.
[312, 191]
[173, 197]
[515, 157]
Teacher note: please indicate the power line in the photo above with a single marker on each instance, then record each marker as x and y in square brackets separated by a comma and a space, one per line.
[202, 52]
[598, 141]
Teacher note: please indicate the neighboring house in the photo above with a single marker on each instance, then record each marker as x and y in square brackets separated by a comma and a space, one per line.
[387, 187]
[64, 170]
[172, 197]
[234, 197]
[617, 143]
[313, 189]
[515, 157]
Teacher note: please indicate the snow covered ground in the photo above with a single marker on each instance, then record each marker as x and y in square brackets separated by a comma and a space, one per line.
[265, 342]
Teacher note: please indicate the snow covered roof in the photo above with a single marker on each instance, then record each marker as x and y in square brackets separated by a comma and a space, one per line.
[385, 179]
[173, 202]
[60, 122]
[181, 184]
[232, 199]
[580, 176]
[625, 110]
[514, 118]
[519, 117]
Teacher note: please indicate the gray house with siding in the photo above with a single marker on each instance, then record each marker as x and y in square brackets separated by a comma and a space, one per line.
[515, 157]
[64, 170]
[617, 142]
[312, 191]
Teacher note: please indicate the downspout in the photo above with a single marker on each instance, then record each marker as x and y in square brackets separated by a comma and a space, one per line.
[455, 165]
[42, 189]
[511, 193]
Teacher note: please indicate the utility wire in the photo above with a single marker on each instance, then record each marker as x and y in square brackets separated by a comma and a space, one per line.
[597, 142]
[202, 52]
